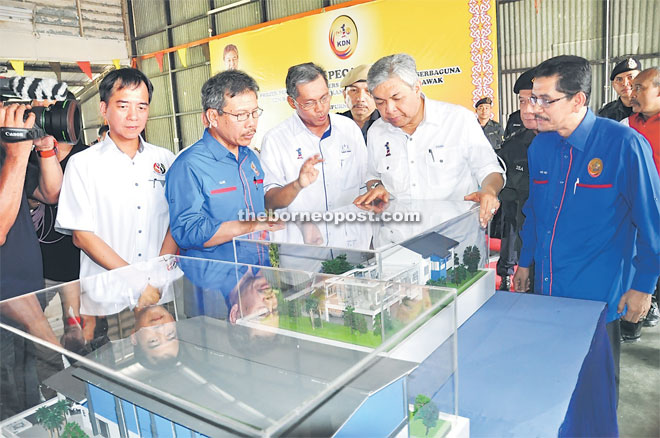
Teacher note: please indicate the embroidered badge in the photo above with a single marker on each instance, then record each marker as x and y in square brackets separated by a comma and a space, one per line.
[387, 149]
[254, 168]
[595, 167]
[345, 149]
[299, 150]
[159, 168]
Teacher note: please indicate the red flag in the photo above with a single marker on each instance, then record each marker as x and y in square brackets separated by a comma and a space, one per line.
[159, 59]
[86, 68]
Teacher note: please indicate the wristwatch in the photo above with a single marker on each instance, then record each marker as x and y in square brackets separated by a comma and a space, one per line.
[374, 185]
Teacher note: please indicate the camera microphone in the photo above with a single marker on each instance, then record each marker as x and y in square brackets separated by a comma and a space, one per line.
[29, 88]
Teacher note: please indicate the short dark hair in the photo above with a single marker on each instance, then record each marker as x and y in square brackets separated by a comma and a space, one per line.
[122, 78]
[302, 74]
[227, 83]
[574, 74]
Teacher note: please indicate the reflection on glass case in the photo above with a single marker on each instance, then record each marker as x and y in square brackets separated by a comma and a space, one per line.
[435, 242]
[189, 347]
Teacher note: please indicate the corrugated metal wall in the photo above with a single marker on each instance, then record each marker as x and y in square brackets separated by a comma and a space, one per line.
[528, 36]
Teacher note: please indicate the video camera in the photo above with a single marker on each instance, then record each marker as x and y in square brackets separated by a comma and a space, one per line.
[61, 120]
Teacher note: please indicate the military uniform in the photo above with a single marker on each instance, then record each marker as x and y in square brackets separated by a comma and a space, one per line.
[494, 133]
[513, 197]
[513, 125]
[615, 110]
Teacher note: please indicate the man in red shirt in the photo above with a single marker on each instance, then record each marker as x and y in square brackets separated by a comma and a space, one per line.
[645, 100]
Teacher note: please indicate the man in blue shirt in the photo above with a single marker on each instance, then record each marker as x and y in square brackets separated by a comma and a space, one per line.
[592, 222]
[215, 187]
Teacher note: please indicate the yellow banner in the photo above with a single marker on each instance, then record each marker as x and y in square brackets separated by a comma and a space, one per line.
[453, 41]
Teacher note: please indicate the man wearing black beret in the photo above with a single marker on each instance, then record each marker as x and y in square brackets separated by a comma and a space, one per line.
[622, 77]
[492, 129]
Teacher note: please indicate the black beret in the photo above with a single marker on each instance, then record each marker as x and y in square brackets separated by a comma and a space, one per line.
[483, 100]
[627, 64]
[525, 81]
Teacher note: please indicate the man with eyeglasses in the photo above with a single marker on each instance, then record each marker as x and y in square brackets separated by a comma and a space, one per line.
[592, 225]
[215, 187]
[314, 160]
[622, 77]
[361, 106]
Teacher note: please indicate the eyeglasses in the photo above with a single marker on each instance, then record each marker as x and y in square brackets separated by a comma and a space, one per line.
[312, 103]
[241, 117]
[545, 103]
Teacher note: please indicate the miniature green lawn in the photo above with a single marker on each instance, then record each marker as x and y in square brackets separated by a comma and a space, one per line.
[417, 429]
[340, 332]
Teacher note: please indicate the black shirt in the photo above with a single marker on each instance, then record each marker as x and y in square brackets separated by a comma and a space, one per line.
[493, 132]
[514, 155]
[60, 257]
[513, 125]
[370, 121]
[615, 110]
[20, 259]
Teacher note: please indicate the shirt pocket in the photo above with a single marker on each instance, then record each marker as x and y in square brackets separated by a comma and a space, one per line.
[594, 197]
[441, 166]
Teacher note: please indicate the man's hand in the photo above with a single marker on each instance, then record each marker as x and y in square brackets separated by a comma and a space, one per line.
[12, 117]
[311, 234]
[638, 304]
[149, 296]
[267, 225]
[376, 194]
[521, 279]
[309, 173]
[488, 204]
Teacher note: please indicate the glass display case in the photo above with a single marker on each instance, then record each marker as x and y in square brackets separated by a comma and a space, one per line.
[188, 347]
[408, 241]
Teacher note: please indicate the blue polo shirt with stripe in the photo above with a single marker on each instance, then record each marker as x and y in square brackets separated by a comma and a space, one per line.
[207, 186]
[592, 222]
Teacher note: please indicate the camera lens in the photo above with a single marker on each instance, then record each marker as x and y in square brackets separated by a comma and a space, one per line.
[61, 120]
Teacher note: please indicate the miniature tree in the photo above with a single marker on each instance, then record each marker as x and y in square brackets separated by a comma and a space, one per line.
[360, 323]
[349, 317]
[420, 401]
[429, 415]
[274, 255]
[73, 430]
[455, 272]
[336, 266]
[471, 257]
[311, 305]
[52, 418]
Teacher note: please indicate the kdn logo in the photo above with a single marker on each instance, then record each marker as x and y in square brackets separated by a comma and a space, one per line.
[343, 36]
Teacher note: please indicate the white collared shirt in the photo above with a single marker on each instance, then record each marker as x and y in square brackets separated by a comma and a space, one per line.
[286, 147]
[446, 158]
[121, 200]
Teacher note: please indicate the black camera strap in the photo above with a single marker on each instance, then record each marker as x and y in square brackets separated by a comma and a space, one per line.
[16, 135]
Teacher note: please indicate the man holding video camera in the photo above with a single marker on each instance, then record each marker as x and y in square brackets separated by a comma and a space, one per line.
[20, 257]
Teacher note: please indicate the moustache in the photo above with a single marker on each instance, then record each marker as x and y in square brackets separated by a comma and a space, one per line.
[634, 102]
[541, 118]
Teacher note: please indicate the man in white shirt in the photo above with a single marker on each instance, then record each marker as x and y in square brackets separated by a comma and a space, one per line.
[314, 160]
[425, 149]
[113, 195]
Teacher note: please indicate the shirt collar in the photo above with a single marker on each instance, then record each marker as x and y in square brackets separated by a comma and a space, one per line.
[578, 138]
[217, 149]
[644, 121]
[109, 143]
[302, 128]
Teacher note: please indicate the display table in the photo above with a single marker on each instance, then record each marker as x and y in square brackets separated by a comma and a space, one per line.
[537, 366]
